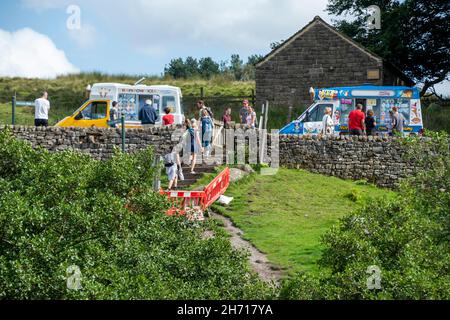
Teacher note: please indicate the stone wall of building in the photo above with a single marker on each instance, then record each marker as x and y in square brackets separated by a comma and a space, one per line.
[377, 159]
[317, 58]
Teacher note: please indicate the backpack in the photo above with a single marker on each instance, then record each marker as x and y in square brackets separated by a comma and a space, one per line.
[169, 160]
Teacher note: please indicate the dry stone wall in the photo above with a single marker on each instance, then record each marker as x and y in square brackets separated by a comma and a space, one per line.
[377, 159]
[97, 142]
[380, 160]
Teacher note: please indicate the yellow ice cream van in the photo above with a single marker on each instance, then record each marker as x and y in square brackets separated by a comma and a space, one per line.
[96, 112]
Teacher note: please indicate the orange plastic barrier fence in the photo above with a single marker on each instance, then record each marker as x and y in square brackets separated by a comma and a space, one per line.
[183, 200]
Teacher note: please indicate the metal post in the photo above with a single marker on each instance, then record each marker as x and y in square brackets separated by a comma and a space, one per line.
[261, 118]
[266, 118]
[202, 93]
[290, 114]
[122, 121]
[13, 120]
[157, 175]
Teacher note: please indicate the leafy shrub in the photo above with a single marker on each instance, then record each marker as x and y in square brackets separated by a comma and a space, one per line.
[65, 209]
[407, 238]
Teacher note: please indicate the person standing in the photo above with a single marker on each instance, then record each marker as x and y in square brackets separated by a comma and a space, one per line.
[251, 118]
[207, 133]
[114, 114]
[356, 124]
[399, 121]
[201, 107]
[171, 164]
[370, 123]
[390, 123]
[227, 118]
[243, 113]
[168, 119]
[42, 106]
[147, 115]
[327, 122]
[195, 142]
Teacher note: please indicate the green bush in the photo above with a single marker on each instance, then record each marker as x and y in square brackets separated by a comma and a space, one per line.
[65, 209]
[407, 238]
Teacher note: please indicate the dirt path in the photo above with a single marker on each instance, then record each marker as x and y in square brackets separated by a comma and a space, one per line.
[258, 260]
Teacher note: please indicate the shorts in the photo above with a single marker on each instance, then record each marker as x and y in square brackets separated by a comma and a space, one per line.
[41, 123]
[356, 132]
[172, 172]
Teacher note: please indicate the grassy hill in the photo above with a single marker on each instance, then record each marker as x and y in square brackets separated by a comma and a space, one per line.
[67, 92]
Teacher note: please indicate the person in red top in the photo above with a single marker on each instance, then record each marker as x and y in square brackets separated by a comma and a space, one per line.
[168, 119]
[227, 118]
[356, 124]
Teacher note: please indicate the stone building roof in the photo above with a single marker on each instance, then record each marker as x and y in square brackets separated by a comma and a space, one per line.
[319, 20]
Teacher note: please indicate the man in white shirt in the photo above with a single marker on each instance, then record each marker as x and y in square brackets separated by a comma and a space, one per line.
[42, 106]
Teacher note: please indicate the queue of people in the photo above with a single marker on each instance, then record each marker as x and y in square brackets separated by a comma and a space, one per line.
[360, 123]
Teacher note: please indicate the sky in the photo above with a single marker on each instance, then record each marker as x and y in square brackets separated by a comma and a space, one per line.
[44, 38]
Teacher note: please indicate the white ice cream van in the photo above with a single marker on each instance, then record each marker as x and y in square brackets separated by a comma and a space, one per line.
[130, 98]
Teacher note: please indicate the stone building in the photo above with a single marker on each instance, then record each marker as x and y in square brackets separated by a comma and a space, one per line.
[319, 56]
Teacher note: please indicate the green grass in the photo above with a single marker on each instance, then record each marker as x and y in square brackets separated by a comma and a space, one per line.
[67, 93]
[24, 115]
[285, 215]
[74, 85]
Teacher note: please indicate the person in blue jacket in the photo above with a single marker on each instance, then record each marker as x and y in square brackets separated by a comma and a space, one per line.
[207, 132]
[148, 115]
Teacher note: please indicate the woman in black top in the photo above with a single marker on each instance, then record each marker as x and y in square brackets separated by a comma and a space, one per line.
[370, 123]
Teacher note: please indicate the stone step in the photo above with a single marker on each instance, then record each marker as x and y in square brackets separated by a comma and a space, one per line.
[187, 182]
[199, 169]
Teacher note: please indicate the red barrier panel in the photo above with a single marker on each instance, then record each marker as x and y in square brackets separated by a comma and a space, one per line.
[183, 200]
[217, 187]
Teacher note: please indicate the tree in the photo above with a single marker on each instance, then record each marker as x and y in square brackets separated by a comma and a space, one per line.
[191, 67]
[254, 59]
[276, 45]
[208, 67]
[250, 67]
[414, 35]
[237, 66]
[176, 69]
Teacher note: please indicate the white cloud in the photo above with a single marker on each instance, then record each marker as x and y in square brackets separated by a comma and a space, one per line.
[231, 24]
[26, 53]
